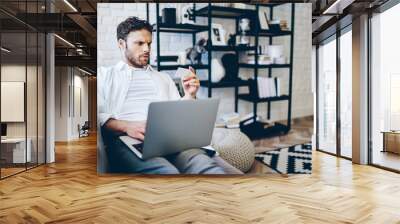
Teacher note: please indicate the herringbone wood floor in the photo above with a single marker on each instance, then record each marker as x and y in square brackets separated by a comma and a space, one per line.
[70, 191]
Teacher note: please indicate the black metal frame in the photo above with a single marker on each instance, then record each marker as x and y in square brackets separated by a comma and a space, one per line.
[37, 164]
[369, 96]
[173, 28]
[316, 96]
[338, 98]
[256, 130]
[208, 11]
[211, 11]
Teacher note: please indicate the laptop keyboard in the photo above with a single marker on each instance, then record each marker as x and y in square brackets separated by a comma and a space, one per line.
[139, 147]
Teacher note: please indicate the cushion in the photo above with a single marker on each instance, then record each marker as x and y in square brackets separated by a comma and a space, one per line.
[234, 147]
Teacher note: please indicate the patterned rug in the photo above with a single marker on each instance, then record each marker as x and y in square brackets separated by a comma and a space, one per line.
[293, 160]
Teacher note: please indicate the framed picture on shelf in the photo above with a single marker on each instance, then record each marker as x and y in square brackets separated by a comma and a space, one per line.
[263, 17]
[217, 35]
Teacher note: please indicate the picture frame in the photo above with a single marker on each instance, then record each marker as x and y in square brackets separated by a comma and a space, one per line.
[263, 19]
[217, 35]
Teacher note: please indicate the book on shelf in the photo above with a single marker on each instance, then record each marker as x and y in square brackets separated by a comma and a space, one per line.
[266, 122]
[230, 120]
[251, 121]
[268, 87]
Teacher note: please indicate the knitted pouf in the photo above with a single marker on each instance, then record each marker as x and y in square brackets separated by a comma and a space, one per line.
[234, 147]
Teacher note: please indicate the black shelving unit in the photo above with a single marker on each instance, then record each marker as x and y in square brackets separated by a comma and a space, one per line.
[211, 11]
[163, 61]
[223, 12]
[256, 129]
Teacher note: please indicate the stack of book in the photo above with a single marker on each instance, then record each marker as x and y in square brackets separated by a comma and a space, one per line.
[246, 120]
[268, 87]
[231, 120]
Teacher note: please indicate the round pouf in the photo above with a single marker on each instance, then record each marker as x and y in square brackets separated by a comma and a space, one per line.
[234, 147]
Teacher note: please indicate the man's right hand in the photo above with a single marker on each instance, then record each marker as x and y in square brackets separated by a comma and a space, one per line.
[136, 129]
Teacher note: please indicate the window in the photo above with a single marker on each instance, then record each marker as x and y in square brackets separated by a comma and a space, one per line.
[334, 106]
[385, 88]
[346, 93]
[327, 96]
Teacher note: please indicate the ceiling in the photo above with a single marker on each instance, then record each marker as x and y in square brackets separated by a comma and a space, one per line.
[328, 16]
[75, 21]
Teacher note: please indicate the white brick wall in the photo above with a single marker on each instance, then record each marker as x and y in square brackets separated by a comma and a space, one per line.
[109, 15]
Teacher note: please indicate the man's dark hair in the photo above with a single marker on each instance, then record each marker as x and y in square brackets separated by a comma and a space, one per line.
[132, 23]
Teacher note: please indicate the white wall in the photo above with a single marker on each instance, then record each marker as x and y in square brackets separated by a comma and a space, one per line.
[109, 15]
[61, 103]
[69, 79]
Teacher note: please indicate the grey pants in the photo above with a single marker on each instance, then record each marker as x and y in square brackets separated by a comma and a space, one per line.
[123, 160]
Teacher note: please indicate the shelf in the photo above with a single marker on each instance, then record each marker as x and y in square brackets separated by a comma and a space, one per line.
[174, 67]
[180, 28]
[224, 84]
[224, 12]
[231, 48]
[268, 4]
[254, 130]
[253, 99]
[257, 130]
[244, 65]
[268, 33]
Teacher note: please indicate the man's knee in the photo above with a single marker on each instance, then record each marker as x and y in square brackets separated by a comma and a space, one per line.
[196, 161]
[159, 165]
[206, 165]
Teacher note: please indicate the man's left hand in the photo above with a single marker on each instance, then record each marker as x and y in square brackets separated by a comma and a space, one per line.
[190, 84]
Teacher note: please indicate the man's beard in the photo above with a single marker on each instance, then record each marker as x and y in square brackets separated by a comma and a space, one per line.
[137, 62]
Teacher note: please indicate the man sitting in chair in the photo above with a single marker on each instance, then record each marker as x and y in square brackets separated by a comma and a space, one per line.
[124, 94]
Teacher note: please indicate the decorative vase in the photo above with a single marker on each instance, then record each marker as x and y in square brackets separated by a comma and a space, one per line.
[218, 71]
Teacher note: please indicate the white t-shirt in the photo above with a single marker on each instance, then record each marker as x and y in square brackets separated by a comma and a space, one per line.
[114, 83]
[141, 92]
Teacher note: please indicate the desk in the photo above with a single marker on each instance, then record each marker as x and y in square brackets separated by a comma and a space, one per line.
[391, 141]
[13, 150]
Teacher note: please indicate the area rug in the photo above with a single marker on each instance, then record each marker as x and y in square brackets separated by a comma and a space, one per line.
[296, 159]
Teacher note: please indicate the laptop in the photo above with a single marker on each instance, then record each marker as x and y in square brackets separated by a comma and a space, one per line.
[175, 126]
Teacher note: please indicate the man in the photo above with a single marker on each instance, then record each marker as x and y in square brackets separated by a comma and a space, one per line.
[124, 94]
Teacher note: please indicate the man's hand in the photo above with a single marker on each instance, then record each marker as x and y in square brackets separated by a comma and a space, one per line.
[190, 85]
[135, 129]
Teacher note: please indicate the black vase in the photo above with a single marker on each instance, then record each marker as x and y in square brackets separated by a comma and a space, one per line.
[231, 66]
[168, 16]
